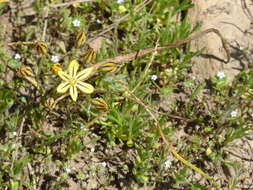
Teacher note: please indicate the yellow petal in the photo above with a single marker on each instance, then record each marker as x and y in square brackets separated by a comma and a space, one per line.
[63, 87]
[85, 87]
[63, 75]
[84, 74]
[73, 93]
[73, 67]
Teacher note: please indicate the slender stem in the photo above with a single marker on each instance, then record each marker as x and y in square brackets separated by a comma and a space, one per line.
[169, 145]
[146, 69]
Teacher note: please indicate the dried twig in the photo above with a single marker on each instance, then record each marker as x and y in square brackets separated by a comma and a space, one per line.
[136, 54]
[60, 98]
[45, 25]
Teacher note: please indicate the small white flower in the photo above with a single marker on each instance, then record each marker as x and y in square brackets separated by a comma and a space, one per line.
[251, 115]
[92, 149]
[220, 75]
[193, 78]
[154, 77]
[17, 56]
[55, 58]
[197, 127]
[76, 23]
[233, 113]
[103, 164]
[14, 133]
[98, 21]
[81, 126]
[167, 164]
[120, 1]
[68, 170]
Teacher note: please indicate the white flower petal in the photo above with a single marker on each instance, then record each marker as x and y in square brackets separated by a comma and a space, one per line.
[63, 75]
[63, 87]
[153, 77]
[84, 74]
[55, 58]
[73, 93]
[167, 164]
[85, 87]
[73, 67]
[76, 23]
[220, 75]
[234, 113]
[17, 56]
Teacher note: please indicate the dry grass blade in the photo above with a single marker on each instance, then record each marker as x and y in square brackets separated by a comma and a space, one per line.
[69, 3]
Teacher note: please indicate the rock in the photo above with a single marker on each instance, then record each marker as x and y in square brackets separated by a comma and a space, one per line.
[233, 19]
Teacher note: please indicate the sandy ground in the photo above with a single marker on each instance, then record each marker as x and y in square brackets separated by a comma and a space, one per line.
[233, 18]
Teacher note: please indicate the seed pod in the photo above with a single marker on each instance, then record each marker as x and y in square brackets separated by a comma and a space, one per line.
[100, 104]
[80, 38]
[41, 48]
[89, 56]
[56, 68]
[108, 67]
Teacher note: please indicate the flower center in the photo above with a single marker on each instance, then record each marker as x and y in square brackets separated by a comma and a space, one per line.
[72, 81]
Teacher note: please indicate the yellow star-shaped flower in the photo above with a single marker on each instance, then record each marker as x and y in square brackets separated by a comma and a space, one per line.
[74, 80]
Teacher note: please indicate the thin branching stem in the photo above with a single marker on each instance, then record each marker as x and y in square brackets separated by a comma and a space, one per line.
[169, 145]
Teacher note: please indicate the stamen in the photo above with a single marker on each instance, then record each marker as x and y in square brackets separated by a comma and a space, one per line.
[72, 81]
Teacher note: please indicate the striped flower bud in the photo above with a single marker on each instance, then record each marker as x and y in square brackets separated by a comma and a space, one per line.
[108, 67]
[56, 68]
[89, 56]
[41, 48]
[80, 38]
[100, 104]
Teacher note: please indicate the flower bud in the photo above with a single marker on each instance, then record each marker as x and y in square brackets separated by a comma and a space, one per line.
[108, 67]
[56, 68]
[89, 56]
[80, 38]
[100, 104]
[41, 48]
